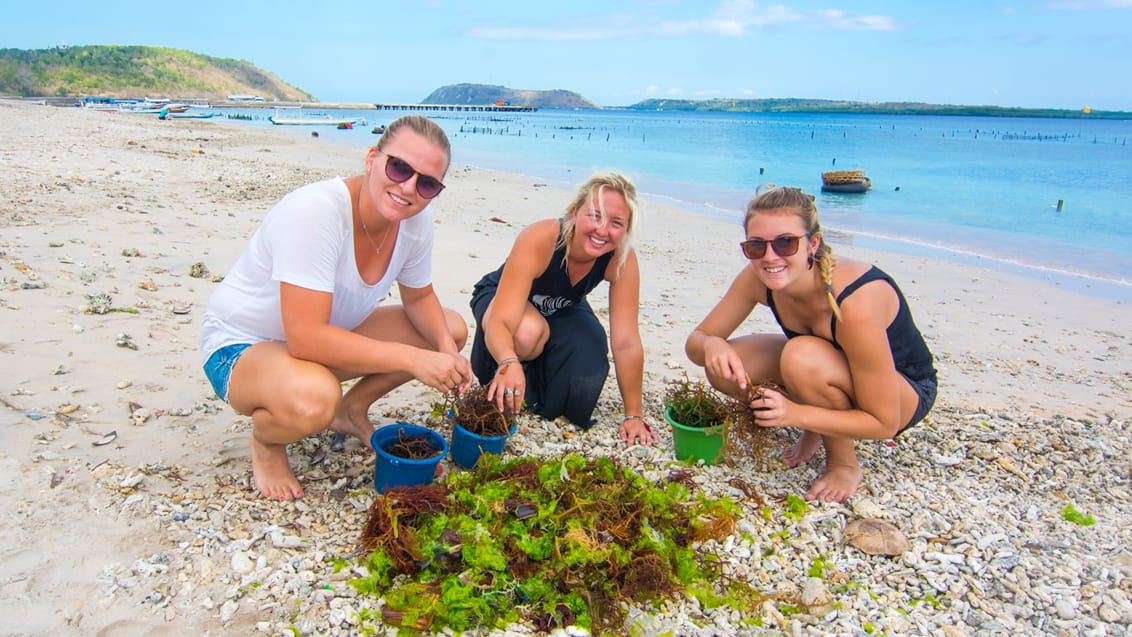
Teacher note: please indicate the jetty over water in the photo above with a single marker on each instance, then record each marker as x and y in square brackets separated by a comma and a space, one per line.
[455, 107]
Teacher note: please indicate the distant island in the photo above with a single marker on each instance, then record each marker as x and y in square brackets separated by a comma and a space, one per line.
[135, 71]
[799, 105]
[487, 94]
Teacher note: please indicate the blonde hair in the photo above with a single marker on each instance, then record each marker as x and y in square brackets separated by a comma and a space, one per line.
[422, 126]
[593, 191]
[794, 199]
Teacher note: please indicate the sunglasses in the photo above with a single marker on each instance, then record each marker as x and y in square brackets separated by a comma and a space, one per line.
[399, 171]
[784, 246]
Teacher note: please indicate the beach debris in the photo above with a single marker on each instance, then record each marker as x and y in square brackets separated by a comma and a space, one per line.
[123, 384]
[60, 370]
[38, 415]
[125, 340]
[100, 303]
[131, 252]
[105, 440]
[132, 481]
[181, 310]
[875, 537]
[67, 409]
[35, 285]
[816, 597]
[139, 414]
[198, 270]
[148, 285]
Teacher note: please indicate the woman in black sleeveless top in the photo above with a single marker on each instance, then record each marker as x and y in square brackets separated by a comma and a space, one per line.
[850, 356]
[537, 340]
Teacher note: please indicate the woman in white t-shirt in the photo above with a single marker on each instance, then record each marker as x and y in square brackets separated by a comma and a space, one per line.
[301, 310]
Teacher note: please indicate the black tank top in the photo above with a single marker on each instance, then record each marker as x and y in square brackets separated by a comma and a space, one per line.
[910, 353]
[552, 291]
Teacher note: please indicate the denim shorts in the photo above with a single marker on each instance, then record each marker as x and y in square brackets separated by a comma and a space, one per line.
[218, 368]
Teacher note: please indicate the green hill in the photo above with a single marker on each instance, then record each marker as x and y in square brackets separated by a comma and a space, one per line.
[488, 94]
[799, 105]
[135, 71]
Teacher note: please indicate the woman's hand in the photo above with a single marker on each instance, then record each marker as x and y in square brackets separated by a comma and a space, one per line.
[508, 387]
[448, 372]
[636, 430]
[722, 361]
[771, 408]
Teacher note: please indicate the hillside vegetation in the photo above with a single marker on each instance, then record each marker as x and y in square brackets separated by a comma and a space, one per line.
[488, 94]
[799, 105]
[135, 71]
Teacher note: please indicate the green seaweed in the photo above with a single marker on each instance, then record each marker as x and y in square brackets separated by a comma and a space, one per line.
[553, 542]
[1071, 514]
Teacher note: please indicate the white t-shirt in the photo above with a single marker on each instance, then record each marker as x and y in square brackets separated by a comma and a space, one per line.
[307, 240]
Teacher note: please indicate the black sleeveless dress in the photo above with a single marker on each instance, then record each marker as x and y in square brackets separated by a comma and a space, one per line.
[567, 378]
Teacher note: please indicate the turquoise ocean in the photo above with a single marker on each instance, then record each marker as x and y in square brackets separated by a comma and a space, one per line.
[975, 190]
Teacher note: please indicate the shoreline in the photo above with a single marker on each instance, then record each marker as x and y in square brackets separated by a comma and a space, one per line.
[158, 533]
[1095, 272]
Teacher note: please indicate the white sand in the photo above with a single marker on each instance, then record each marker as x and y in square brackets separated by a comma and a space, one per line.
[80, 189]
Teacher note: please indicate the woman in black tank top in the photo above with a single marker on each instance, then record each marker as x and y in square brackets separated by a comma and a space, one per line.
[852, 361]
[537, 341]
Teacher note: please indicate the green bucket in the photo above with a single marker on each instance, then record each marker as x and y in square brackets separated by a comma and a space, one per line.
[696, 443]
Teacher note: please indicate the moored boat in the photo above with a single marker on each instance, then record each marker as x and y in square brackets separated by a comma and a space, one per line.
[299, 120]
[845, 181]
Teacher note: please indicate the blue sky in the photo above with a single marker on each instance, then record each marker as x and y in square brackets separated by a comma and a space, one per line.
[1058, 54]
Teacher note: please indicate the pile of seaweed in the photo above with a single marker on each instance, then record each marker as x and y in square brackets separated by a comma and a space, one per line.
[554, 542]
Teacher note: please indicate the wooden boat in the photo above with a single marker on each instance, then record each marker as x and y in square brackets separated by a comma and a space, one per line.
[192, 115]
[845, 181]
[300, 120]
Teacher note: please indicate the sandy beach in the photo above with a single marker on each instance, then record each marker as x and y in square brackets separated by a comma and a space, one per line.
[129, 513]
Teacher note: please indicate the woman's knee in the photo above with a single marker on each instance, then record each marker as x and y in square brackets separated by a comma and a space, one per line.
[815, 372]
[457, 327]
[531, 337]
[310, 406]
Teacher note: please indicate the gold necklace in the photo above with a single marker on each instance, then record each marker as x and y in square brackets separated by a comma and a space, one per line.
[376, 249]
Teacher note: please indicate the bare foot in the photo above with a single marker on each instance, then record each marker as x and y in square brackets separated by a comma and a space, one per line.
[837, 484]
[801, 451]
[272, 472]
[357, 425]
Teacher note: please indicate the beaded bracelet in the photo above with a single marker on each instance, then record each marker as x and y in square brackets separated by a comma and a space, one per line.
[504, 363]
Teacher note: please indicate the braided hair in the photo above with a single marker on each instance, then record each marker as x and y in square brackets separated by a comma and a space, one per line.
[793, 198]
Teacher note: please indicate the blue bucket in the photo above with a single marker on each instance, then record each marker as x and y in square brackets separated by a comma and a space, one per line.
[467, 447]
[393, 471]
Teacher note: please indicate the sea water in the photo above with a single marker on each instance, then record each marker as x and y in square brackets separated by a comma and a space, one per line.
[1048, 198]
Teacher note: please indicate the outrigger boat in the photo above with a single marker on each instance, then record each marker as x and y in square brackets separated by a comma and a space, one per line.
[299, 120]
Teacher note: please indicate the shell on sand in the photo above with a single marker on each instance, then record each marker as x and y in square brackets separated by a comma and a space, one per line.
[875, 537]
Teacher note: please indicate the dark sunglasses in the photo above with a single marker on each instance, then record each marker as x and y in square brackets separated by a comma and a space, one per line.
[399, 171]
[784, 246]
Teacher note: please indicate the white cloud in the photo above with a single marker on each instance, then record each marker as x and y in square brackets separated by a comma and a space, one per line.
[730, 18]
[838, 19]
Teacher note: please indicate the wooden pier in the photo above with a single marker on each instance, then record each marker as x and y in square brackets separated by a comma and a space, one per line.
[456, 107]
